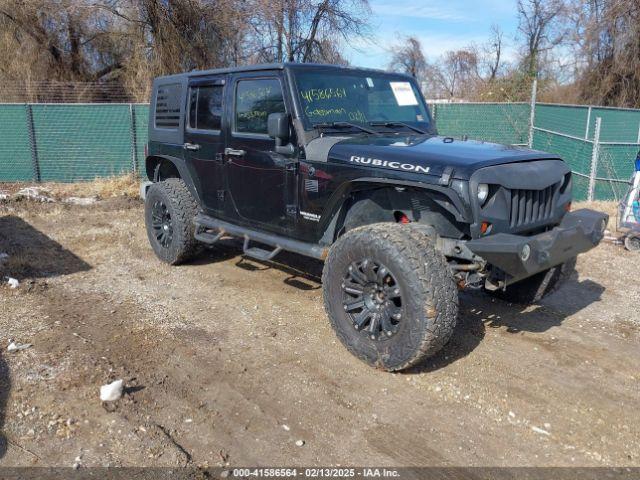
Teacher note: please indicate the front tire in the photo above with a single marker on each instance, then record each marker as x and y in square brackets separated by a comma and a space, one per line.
[389, 295]
[170, 210]
[535, 288]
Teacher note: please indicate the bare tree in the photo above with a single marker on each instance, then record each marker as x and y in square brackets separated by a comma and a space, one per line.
[540, 27]
[306, 30]
[408, 58]
[493, 52]
[457, 72]
[607, 43]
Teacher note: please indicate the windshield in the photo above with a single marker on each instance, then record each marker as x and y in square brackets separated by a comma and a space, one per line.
[359, 97]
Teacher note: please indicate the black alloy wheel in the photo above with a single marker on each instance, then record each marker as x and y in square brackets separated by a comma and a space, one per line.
[372, 299]
[161, 223]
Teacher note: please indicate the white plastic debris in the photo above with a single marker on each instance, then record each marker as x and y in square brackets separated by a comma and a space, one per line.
[299, 443]
[13, 282]
[112, 391]
[35, 194]
[81, 200]
[539, 430]
[15, 346]
[4, 196]
[286, 427]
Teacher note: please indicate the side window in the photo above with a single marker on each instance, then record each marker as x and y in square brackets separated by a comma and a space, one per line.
[255, 100]
[167, 112]
[205, 107]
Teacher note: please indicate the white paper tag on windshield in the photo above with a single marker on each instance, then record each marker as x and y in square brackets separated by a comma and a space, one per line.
[403, 93]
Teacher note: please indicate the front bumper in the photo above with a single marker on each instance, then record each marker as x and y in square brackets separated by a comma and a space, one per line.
[578, 232]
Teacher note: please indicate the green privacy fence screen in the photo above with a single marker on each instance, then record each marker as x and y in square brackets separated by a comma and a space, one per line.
[75, 142]
[71, 142]
[493, 122]
[565, 130]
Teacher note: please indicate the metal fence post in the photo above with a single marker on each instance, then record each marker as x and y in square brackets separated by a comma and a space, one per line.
[35, 163]
[532, 115]
[586, 131]
[594, 160]
[639, 133]
[134, 140]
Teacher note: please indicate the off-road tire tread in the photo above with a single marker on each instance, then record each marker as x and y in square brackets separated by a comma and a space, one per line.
[184, 210]
[435, 285]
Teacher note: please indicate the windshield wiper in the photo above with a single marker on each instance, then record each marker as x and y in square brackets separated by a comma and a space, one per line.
[345, 125]
[398, 124]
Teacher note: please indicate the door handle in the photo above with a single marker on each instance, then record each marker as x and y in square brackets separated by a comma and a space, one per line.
[234, 152]
[191, 146]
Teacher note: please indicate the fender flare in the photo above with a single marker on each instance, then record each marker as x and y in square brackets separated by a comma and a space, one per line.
[335, 206]
[182, 168]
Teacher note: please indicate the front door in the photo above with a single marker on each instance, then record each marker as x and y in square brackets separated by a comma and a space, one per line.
[204, 141]
[257, 176]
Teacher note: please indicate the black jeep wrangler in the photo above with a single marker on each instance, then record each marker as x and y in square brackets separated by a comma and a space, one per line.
[345, 165]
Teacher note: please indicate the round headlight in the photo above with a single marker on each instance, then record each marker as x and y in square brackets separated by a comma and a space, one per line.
[483, 192]
[525, 253]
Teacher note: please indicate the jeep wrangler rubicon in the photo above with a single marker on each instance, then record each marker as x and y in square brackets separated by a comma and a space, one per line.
[345, 165]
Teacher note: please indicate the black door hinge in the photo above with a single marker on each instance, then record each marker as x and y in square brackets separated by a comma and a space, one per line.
[221, 194]
[292, 210]
[292, 167]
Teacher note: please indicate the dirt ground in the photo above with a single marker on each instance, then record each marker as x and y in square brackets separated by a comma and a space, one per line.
[227, 361]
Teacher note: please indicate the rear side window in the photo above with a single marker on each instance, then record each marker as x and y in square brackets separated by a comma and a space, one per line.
[255, 100]
[205, 107]
[167, 113]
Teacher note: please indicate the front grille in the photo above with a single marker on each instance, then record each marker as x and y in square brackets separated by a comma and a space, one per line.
[531, 206]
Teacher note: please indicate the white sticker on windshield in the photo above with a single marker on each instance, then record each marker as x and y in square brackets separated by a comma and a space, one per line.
[370, 82]
[403, 93]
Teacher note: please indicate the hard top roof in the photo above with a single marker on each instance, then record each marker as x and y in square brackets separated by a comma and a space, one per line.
[273, 66]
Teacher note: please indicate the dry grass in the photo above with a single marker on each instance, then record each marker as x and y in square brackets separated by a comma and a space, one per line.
[121, 186]
[608, 207]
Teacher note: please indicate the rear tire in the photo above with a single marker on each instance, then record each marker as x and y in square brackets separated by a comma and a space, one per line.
[170, 210]
[409, 300]
[535, 288]
[632, 243]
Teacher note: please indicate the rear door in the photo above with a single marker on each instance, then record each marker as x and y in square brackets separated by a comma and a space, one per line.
[258, 177]
[204, 141]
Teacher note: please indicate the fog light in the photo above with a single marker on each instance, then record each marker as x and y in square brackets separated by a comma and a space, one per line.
[525, 253]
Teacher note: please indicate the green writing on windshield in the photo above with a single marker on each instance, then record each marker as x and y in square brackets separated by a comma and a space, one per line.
[318, 94]
[320, 113]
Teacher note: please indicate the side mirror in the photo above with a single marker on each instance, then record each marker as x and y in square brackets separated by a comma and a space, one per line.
[278, 126]
[278, 129]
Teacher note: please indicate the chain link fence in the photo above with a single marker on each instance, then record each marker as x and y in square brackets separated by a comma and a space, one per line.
[600, 144]
[71, 142]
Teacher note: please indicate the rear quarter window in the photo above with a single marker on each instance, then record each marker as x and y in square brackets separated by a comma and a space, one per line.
[167, 108]
[205, 107]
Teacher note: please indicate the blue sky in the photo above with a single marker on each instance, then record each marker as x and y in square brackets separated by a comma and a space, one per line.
[440, 26]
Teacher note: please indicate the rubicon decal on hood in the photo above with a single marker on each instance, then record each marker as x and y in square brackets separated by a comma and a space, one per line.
[407, 167]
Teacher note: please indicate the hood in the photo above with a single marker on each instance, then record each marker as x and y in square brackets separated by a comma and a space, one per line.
[427, 154]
